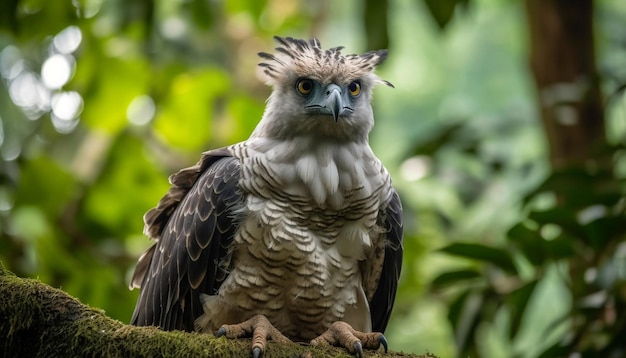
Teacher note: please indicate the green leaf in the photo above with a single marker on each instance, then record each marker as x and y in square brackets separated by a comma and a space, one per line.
[600, 187]
[537, 250]
[604, 230]
[563, 217]
[464, 315]
[492, 255]
[528, 240]
[517, 302]
[453, 277]
[557, 350]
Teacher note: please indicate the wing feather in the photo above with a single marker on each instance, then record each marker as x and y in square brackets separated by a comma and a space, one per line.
[381, 303]
[193, 226]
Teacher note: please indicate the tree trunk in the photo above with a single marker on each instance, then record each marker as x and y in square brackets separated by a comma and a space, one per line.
[562, 58]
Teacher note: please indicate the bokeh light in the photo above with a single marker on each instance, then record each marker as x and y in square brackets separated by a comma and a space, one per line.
[57, 70]
[141, 110]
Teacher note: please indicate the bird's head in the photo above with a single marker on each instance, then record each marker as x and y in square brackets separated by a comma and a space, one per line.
[319, 92]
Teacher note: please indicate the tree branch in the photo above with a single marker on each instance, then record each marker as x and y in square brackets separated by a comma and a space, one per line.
[38, 320]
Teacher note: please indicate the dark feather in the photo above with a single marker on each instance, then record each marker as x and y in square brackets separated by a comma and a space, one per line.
[194, 225]
[381, 303]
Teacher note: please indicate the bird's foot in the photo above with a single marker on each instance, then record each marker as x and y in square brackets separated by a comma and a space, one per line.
[257, 327]
[341, 334]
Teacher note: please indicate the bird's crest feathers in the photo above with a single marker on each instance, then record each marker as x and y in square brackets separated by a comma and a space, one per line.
[299, 58]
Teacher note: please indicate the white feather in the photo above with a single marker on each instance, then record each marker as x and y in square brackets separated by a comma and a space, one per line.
[330, 177]
[306, 166]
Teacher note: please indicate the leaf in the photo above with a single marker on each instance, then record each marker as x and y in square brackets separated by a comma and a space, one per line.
[464, 315]
[557, 350]
[495, 256]
[438, 140]
[604, 230]
[563, 217]
[600, 187]
[453, 277]
[517, 302]
[528, 241]
[537, 250]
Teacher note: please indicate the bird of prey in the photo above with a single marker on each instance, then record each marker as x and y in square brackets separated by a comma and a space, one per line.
[293, 234]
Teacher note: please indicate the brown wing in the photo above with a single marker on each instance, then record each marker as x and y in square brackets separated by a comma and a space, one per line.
[193, 225]
[382, 301]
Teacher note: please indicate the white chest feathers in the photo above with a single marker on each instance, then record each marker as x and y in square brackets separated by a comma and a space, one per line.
[325, 174]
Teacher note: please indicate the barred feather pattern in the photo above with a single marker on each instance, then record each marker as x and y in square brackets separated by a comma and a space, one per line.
[311, 216]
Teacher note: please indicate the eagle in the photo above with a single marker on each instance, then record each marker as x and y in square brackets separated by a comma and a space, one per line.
[294, 234]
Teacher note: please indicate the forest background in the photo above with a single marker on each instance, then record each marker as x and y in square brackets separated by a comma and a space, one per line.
[505, 136]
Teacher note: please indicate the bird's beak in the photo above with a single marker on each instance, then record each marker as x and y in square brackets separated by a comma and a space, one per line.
[333, 103]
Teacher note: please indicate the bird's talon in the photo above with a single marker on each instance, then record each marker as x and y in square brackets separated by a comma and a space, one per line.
[358, 349]
[220, 332]
[257, 352]
[383, 342]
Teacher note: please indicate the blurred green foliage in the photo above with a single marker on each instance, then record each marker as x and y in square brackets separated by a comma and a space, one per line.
[151, 84]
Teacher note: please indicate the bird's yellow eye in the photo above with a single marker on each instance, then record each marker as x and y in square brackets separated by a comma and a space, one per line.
[354, 88]
[304, 86]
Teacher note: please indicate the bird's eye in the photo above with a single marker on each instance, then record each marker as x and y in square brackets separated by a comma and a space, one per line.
[354, 88]
[304, 86]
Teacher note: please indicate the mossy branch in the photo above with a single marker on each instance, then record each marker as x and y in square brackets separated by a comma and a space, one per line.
[37, 320]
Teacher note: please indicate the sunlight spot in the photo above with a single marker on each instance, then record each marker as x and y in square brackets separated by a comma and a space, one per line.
[11, 62]
[591, 213]
[91, 8]
[590, 274]
[620, 260]
[173, 28]
[550, 231]
[6, 201]
[10, 150]
[416, 168]
[27, 92]
[566, 115]
[564, 92]
[594, 300]
[141, 110]
[68, 40]
[120, 47]
[57, 70]
[63, 126]
[103, 26]
[544, 201]
[66, 107]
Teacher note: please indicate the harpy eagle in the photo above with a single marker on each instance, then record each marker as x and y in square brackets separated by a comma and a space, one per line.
[293, 234]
